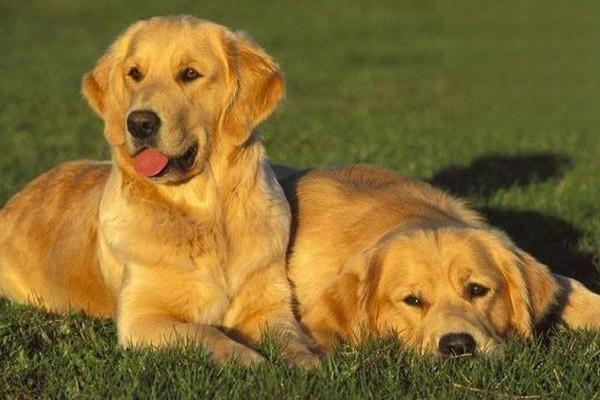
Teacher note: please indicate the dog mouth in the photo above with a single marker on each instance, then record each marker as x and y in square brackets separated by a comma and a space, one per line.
[152, 163]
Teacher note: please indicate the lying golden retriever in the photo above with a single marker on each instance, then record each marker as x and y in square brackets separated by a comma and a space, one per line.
[373, 252]
[183, 235]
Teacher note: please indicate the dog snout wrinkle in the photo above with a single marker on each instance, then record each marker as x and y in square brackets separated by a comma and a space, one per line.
[143, 124]
[453, 344]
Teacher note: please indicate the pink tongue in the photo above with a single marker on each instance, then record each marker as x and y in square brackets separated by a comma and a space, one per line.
[150, 162]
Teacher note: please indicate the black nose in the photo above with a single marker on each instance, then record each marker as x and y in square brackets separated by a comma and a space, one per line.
[143, 124]
[453, 344]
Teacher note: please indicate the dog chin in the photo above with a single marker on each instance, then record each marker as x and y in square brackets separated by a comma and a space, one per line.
[491, 349]
[176, 177]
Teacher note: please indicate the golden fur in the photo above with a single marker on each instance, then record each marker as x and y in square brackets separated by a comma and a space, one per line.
[373, 252]
[196, 254]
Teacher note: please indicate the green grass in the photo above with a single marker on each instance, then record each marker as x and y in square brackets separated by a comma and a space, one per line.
[498, 102]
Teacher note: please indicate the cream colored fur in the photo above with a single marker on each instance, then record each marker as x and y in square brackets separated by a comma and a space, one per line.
[194, 255]
[366, 239]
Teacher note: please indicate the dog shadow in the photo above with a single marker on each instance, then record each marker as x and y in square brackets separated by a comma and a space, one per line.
[551, 240]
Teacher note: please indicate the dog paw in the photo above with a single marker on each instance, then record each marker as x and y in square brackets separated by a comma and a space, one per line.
[241, 354]
[303, 359]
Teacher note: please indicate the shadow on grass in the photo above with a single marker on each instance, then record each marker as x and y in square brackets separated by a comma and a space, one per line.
[487, 174]
[551, 240]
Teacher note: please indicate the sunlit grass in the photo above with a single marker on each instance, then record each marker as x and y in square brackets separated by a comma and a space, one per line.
[497, 102]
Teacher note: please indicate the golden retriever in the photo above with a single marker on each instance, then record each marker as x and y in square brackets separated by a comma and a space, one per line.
[373, 252]
[183, 235]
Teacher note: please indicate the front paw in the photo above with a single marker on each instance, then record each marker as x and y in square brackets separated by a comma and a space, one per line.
[239, 353]
[301, 352]
[304, 360]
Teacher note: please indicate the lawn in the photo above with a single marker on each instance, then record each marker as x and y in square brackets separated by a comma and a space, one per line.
[498, 102]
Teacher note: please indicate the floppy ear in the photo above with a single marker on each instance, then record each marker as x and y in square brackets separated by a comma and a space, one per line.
[333, 317]
[531, 288]
[100, 81]
[95, 83]
[369, 277]
[349, 303]
[96, 86]
[257, 87]
[542, 287]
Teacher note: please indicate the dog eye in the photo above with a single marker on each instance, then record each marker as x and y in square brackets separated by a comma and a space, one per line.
[189, 74]
[135, 74]
[476, 290]
[413, 301]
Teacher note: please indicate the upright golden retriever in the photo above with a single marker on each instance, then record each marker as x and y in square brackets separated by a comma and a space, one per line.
[373, 252]
[183, 235]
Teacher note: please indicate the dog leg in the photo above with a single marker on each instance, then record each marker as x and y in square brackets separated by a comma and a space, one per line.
[581, 308]
[162, 331]
[160, 313]
[259, 308]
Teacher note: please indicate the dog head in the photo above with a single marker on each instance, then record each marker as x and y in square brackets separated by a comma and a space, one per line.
[171, 90]
[447, 291]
